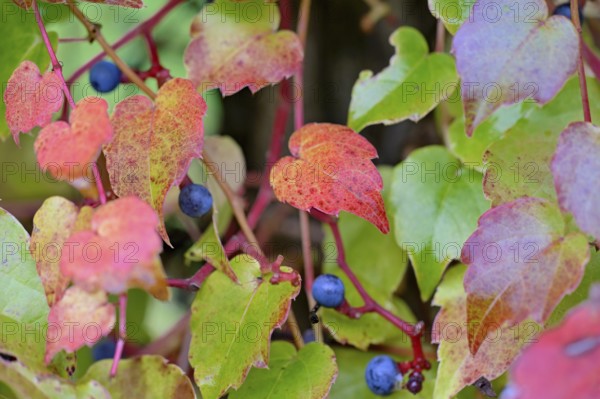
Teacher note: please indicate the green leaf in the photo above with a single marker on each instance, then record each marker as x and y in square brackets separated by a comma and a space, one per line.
[413, 84]
[437, 203]
[25, 44]
[380, 264]
[452, 12]
[148, 377]
[519, 164]
[307, 374]
[22, 297]
[231, 325]
[26, 383]
[351, 379]
[470, 150]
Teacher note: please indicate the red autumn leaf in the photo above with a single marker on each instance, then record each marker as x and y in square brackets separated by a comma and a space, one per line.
[79, 318]
[510, 54]
[564, 362]
[68, 150]
[26, 4]
[52, 224]
[331, 170]
[522, 261]
[232, 48]
[31, 98]
[155, 143]
[576, 171]
[118, 250]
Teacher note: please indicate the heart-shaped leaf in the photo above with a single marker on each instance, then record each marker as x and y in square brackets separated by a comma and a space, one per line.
[79, 318]
[517, 59]
[118, 250]
[26, 45]
[413, 84]
[542, 370]
[31, 99]
[437, 201]
[331, 170]
[576, 172]
[155, 143]
[233, 47]
[149, 377]
[287, 375]
[522, 262]
[458, 367]
[67, 150]
[232, 323]
[52, 224]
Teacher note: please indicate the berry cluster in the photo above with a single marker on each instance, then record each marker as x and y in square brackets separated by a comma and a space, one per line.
[384, 376]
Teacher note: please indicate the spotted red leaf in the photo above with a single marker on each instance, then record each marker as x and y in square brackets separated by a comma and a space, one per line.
[522, 261]
[155, 143]
[68, 150]
[564, 362]
[31, 98]
[118, 250]
[507, 51]
[79, 318]
[331, 170]
[123, 3]
[576, 171]
[235, 44]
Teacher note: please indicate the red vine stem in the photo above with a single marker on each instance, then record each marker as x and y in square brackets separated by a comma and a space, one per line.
[132, 34]
[56, 66]
[122, 334]
[587, 115]
[371, 306]
[99, 186]
[591, 59]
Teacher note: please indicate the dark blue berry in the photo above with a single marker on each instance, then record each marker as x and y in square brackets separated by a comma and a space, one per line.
[565, 10]
[105, 76]
[308, 335]
[328, 291]
[382, 375]
[104, 349]
[195, 200]
[414, 386]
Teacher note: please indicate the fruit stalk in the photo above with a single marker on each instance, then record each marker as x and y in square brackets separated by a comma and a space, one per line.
[587, 115]
[122, 334]
[56, 66]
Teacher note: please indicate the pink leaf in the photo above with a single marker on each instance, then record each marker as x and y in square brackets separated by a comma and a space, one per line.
[563, 363]
[79, 318]
[67, 151]
[507, 51]
[118, 250]
[576, 171]
[31, 99]
[522, 261]
[331, 170]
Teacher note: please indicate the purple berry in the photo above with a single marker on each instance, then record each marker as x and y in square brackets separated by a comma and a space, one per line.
[195, 200]
[382, 375]
[328, 291]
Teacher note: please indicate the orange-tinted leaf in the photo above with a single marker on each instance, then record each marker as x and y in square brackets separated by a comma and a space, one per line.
[155, 142]
[79, 318]
[564, 362]
[458, 367]
[522, 262]
[26, 4]
[118, 251]
[52, 224]
[67, 151]
[31, 98]
[233, 47]
[331, 170]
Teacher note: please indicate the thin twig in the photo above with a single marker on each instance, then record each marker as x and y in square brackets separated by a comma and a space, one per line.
[587, 115]
[56, 66]
[99, 186]
[122, 334]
